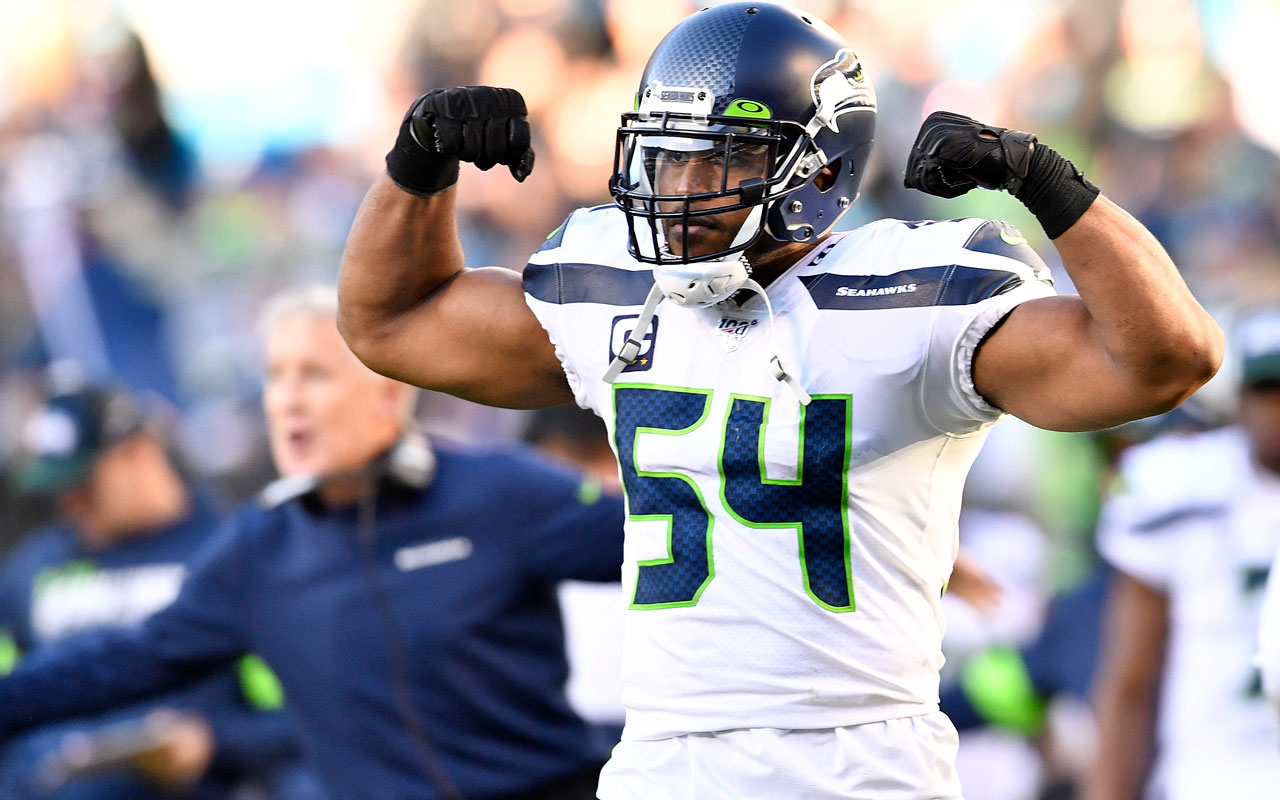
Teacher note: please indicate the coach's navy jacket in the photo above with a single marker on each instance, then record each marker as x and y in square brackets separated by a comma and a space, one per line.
[467, 568]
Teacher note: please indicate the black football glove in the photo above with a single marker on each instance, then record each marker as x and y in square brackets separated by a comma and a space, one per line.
[480, 124]
[954, 154]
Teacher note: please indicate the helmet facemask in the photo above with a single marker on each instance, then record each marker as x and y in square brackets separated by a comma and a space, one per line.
[700, 188]
[695, 191]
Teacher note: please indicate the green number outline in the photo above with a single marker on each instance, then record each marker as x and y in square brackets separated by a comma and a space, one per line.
[799, 479]
[669, 518]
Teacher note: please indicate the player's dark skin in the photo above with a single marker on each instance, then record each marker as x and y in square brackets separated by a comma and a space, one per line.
[768, 257]
[1134, 343]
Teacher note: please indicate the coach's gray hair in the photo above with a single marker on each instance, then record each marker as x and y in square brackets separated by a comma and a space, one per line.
[317, 301]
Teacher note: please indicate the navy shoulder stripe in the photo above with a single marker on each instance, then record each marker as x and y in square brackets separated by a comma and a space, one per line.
[1183, 514]
[1002, 239]
[950, 285]
[587, 283]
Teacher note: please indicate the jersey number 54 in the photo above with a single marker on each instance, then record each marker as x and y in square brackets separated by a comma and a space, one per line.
[814, 504]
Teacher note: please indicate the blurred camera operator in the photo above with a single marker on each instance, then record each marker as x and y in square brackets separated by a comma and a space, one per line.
[128, 524]
[405, 595]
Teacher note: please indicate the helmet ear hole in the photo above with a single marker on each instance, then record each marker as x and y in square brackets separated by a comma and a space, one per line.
[825, 180]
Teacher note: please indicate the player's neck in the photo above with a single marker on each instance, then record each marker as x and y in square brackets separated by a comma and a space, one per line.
[770, 259]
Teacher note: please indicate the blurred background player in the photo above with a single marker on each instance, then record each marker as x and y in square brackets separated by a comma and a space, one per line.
[1019, 682]
[405, 595]
[1262, 357]
[1260, 344]
[129, 524]
[1192, 531]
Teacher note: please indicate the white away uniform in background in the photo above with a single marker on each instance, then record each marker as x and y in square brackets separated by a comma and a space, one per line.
[784, 564]
[1268, 658]
[1196, 520]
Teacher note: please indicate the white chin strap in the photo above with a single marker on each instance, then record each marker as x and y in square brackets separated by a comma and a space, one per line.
[700, 284]
[779, 371]
[630, 349]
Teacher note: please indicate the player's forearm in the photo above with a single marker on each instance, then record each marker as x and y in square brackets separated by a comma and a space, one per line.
[1124, 750]
[400, 250]
[1141, 311]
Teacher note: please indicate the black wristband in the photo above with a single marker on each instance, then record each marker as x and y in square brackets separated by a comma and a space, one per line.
[417, 170]
[1055, 191]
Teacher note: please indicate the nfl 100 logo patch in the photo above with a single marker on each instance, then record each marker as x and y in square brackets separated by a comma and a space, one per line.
[732, 331]
[621, 331]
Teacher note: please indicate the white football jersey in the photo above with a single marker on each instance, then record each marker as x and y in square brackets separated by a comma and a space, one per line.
[784, 564]
[1195, 520]
[1268, 657]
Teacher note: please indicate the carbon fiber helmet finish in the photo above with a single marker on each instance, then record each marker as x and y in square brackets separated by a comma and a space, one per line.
[771, 55]
[702, 51]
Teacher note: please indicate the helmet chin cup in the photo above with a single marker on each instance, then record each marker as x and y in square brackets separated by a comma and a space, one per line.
[701, 283]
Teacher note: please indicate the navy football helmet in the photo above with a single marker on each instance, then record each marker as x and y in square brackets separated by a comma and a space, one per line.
[761, 98]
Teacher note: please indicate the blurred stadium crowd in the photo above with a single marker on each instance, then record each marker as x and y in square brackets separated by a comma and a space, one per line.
[166, 167]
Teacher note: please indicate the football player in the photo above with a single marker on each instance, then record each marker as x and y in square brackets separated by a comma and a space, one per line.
[1192, 533]
[794, 411]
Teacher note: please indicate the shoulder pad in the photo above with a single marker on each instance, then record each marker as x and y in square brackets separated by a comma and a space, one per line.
[585, 260]
[555, 239]
[901, 264]
[999, 238]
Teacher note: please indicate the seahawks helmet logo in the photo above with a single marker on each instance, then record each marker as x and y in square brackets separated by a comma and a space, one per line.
[839, 85]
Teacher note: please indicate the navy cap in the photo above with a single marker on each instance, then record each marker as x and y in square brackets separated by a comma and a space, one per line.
[61, 440]
[1258, 335]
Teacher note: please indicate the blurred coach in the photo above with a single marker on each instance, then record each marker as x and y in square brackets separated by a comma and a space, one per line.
[405, 596]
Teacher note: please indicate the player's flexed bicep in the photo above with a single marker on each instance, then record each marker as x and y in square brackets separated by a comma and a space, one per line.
[1133, 344]
[408, 307]
[475, 338]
